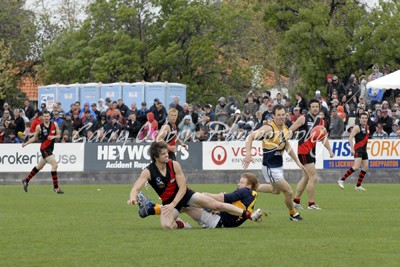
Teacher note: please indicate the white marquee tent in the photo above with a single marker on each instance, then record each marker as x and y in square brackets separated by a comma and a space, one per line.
[390, 81]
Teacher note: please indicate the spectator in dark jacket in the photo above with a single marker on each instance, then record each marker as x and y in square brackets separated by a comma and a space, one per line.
[133, 126]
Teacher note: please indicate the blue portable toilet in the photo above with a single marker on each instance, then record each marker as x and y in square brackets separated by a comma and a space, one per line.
[48, 95]
[133, 92]
[155, 90]
[67, 95]
[110, 90]
[89, 92]
[176, 90]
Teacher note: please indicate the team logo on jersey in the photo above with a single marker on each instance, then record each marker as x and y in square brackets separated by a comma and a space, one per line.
[45, 131]
[159, 182]
[172, 181]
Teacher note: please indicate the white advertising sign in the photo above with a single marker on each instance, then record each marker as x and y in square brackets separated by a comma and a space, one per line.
[229, 155]
[14, 158]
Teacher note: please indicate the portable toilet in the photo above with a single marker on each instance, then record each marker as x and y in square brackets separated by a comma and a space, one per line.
[155, 90]
[48, 95]
[89, 92]
[133, 92]
[110, 90]
[67, 95]
[176, 90]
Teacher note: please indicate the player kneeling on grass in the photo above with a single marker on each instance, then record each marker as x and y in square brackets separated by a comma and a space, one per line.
[167, 179]
[244, 197]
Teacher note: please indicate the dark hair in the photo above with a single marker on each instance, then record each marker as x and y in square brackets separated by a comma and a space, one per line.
[299, 94]
[156, 148]
[277, 107]
[364, 114]
[313, 100]
[46, 112]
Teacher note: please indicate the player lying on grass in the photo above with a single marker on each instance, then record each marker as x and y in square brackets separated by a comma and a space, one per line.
[167, 179]
[244, 197]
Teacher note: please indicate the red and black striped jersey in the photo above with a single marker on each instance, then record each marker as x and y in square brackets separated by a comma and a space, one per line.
[46, 132]
[165, 186]
[362, 137]
[306, 143]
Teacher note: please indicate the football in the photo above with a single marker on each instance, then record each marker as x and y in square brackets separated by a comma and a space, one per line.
[318, 133]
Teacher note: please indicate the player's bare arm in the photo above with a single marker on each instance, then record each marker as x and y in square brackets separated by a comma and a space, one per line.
[264, 131]
[181, 182]
[140, 182]
[34, 137]
[293, 155]
[354, 132]
[297, 124]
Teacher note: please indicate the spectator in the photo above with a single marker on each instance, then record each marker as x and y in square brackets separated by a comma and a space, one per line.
[66, 125]
[178, 106]
[18, 121]
[43, 107]
[37, 119]
[23, 116]
[329, 85]
[363, 89]
[198, 110]
[352, 89]
[393, 134]
[11, 138]
[278, 100]
[153, 108]
[375, 95]
[54, 109]
[337, 86]
[251, 106]
[88, 123]
[6, 111]
[296, 114]
[385, 106]
[267, 115]
[86, 110]
[380, 133]
[288, 106]
[101, 108]
[28, 110]
[150, 129]
[202, 133]
[264, 106]
[386, 121]
[222, 111]
[376, 74]
[124, 110]
[115, 128]
[142, 113]
[95, 111]
[336, 127]
[160, 115]
[378, 115]
[233, 124]
[113, 111]
[133, 126]
[194, 115]
[103, 124]
[300, 102]
[233, 105]
[259, 121]
[57, 118]
[66, 137]
[209, 112]
[76, 122]
[186, 128]
[8, 126]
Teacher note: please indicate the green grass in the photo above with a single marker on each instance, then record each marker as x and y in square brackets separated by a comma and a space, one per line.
[91, 227]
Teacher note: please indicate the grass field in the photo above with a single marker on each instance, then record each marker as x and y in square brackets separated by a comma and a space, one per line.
[91, 225]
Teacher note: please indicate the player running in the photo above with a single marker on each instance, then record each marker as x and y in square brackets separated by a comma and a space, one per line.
[275, 141]
[306, 153]
[46, 133]
[360, 133]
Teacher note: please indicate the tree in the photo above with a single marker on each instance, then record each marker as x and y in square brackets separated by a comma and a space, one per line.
[9, 91]
[316, 38]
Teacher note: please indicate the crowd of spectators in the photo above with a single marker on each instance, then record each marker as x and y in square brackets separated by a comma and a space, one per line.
[114, 121]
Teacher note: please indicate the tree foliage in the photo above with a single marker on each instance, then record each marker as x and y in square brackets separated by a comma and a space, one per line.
[8, 80]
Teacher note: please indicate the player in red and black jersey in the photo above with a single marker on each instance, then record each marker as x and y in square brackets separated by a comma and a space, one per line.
[306, 152]
[169, 133]
[167, 179]
[46, 133]
[360, 133]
